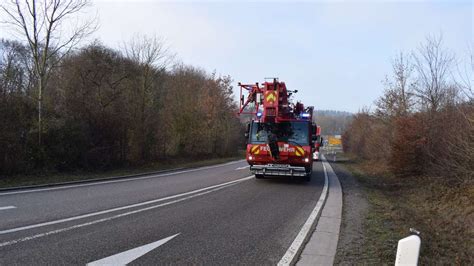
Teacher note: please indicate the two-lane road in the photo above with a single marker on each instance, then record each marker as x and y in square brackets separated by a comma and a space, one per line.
[217, 214]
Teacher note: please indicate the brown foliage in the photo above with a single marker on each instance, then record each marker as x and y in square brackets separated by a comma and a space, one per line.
[438, 144]
[451, 152]
[407, 146]
[105, 109]
[435, 137]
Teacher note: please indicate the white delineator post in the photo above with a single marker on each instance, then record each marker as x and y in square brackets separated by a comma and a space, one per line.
[408, 249]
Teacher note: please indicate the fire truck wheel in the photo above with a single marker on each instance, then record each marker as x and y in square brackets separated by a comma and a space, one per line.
[309, 173]
[307, 178]
[258, 176]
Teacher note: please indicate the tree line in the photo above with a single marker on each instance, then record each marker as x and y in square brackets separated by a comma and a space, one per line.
[424, 121]
[332, 122]
[63, 108]
[105, 108]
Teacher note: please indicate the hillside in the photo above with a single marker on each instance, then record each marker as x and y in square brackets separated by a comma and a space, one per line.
[332, 122]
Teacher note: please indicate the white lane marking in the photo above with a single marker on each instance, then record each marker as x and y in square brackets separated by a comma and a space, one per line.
[297, 246]
[128, 256]
[7, 208]
[119, 180]
[16, 241]
[121, 208]
[243, 167]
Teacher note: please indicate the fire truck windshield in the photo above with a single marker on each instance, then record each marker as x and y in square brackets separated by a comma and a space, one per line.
[291, 132]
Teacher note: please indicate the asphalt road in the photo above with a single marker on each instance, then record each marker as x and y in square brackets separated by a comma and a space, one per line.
[212, 215]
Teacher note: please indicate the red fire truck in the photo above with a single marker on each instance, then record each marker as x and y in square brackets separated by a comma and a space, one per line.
[281, 135]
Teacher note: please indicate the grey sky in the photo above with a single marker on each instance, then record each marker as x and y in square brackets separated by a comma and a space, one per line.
[336, 54]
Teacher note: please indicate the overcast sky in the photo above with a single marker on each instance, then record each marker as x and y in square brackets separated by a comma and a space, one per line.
[335, 53]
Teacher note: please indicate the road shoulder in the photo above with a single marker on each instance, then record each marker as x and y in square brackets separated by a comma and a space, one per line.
[321, 247]
[352, 236]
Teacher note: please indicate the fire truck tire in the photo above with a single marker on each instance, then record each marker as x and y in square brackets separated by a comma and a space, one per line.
[309, 173]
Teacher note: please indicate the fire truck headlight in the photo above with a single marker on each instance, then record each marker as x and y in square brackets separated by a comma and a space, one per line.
[250, 158]
[306, 160]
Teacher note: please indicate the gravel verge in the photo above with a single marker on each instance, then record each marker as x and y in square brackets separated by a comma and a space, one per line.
[355, 209]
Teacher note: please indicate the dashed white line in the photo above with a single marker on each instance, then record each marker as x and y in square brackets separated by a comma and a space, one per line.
[12, 242]
[7, 208]
[121, 208]
[128, 256]
[243, 167]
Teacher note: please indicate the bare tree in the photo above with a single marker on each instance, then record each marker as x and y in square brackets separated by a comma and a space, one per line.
[398, 97]
[465, 75]
[433, 64]
[152, 56]
[149, 51]
[44, 24]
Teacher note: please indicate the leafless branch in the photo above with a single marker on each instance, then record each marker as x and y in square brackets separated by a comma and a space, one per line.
[42, 24]
[432, 63]
[151, 51]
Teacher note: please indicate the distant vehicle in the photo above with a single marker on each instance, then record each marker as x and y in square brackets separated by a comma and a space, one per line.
[318, 143]
[281, 135]
[315, 155]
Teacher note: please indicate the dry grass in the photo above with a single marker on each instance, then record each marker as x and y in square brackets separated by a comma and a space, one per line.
[443, 212]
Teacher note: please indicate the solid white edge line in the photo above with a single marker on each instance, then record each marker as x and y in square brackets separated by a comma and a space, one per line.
[120, 208]
[7, 208]
[293, 252]
[16, 241]
[119, 180]
[125, 257]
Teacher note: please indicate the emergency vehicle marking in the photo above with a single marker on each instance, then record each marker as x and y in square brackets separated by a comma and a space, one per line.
[299, 151]
[270, 96]
[255, 149]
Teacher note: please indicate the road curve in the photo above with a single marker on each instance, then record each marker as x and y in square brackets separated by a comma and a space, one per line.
[210, 215]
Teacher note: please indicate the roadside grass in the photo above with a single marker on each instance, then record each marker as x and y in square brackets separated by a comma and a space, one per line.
[57, 177]
[441, 210]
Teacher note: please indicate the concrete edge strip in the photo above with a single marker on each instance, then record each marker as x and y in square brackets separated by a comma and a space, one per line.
[334, 179]
[294, 251]
[94, 180]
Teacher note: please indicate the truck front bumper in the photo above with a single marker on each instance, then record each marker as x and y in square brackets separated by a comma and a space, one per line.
[278, 170]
